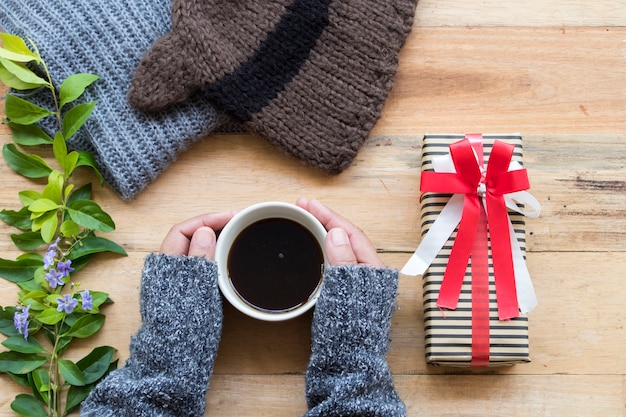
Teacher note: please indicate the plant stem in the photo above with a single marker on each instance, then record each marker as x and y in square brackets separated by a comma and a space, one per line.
[56, 385]
[57, 109]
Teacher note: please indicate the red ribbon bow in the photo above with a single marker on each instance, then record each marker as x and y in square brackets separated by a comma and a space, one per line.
[467, 156]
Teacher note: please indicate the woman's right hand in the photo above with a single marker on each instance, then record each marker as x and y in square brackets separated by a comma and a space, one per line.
[346, 244]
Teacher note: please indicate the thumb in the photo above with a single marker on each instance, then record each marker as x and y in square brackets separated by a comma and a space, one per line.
[338, 248]
[203, 243]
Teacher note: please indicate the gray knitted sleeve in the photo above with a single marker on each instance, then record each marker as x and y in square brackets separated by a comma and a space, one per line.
[173, 352]
[348, 374]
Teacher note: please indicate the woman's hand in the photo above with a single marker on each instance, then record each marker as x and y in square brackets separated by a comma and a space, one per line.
[196, 236]
[346, 244]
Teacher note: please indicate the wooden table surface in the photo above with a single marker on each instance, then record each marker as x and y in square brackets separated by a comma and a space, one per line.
[554, 71]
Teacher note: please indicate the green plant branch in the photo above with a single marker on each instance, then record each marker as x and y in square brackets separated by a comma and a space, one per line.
[64, 221]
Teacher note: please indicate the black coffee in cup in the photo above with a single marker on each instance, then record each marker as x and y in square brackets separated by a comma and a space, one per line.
[275, 264]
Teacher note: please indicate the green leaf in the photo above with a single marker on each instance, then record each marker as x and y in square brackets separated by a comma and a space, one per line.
[75, 118]
[42, 205]
[24, 74]
[33, 284]
[64, 343]
[28, 406]
[70, 373]
[96, 364]
[59, 148]
[75, 396]
[47, 223]
[94, 244]
[35, 299]
[74, 86]
[15, 49]
[87, 159]
[23, 112]
[19, 270]
[52, 298]
[28, 196]
[68, 190]
[88, 214]
[7, 327]
[20, 363]
[70, 163]
[27, 241]
[54, 189]
[11, 80]
[80, 263]
[86, 326]
[39, 381]
[30, 256]
[50, 316]
[49, 228]
[20, 379]
[82, 193]
[29, 135]
[19, 219]
[21, 345]
[29, 166]
[69, 228]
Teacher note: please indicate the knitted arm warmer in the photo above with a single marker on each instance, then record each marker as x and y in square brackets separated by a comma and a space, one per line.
[348, 374]
[172, 354]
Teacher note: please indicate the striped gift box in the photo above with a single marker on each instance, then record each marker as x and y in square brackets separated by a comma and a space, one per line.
[448, 333]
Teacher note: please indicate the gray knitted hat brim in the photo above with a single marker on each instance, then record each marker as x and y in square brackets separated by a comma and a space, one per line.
[310, 76]
[108, 38]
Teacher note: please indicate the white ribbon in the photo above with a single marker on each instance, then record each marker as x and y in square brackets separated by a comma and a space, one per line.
[448, 220]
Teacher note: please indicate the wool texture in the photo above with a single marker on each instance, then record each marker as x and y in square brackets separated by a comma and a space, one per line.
[108, 38]
[348, 373]
[173, 353]
[309, 76]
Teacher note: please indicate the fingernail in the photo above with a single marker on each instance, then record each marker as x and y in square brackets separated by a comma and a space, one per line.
[339, 237]
[204, 238]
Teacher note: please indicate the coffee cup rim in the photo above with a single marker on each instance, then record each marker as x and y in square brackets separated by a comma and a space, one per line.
[246, 217]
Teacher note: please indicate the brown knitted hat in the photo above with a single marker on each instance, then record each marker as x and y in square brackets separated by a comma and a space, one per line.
[310, 76]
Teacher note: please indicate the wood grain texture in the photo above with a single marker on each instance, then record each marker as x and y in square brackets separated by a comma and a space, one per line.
[535, 13]
[555, 71]
[496, 79]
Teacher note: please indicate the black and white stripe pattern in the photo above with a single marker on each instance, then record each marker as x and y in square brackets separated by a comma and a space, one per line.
[448, 334]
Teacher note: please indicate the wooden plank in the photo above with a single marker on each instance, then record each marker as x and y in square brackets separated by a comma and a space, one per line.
[556, 13]
[572, 176]
[499, 79]
[552, 70]
[514, 395]
[578, 327]
[428, 395]
[441, 395]
[561, 333]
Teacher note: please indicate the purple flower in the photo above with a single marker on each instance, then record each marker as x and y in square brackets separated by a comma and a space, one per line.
[67, 303]
[86, 300]
[65, 268]
[48, 258]
[55, 245]
[54, 278]
[20, 320]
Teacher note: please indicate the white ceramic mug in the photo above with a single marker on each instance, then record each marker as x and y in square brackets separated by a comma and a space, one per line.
[238, 224]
